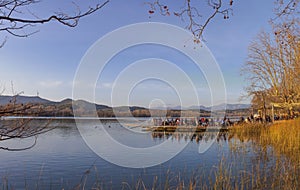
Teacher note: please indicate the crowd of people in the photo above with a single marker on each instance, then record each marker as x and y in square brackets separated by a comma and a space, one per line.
[195, 121]
[258, 118]
[226, 121]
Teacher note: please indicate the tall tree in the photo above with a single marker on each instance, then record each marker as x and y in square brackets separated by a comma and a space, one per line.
[272, 68]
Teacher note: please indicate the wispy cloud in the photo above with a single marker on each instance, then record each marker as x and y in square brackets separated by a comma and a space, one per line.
[106, 85]
[50, 83]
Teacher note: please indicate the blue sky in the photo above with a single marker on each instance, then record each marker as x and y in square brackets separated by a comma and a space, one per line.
[46, 62]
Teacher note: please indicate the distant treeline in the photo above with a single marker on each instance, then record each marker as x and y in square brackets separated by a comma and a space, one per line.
[88, 110]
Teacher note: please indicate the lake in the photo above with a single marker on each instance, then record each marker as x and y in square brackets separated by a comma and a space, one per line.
[62, 160]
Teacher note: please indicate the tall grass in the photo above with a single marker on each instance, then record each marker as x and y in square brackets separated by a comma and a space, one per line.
[278, 142]
[285, 138]
[282, 136]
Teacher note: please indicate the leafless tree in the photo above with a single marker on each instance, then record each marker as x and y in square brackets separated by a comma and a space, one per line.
[272, 68]
[20, 128]
[16, 19]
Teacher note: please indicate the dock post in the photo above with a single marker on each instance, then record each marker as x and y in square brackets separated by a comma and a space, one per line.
[273, 116]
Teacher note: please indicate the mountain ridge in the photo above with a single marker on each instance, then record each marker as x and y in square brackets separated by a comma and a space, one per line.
[21, 99]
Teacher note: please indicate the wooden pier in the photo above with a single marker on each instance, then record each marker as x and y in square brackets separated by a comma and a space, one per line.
[185, 129]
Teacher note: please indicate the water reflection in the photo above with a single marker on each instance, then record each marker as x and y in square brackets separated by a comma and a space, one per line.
[197, 137]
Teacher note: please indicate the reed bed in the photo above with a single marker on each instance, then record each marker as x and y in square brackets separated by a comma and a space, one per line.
[283, 137]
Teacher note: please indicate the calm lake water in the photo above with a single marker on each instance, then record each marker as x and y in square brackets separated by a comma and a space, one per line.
[61, 159]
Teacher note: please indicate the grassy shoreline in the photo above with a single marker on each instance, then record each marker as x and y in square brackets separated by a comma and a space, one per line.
[283, 136]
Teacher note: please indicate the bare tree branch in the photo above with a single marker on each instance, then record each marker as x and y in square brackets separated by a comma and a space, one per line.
[286, 8]
[20, 128]
[64, 19]
[20, 149]
[193, 13]
[13, 24]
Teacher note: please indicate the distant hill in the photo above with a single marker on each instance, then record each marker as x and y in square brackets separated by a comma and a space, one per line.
[24, 100]
[66, 101]
[88, 105]
[198, 108]
[238, 106]
[218, 107]
[231, 106]
[66, 106]
[36, 99]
